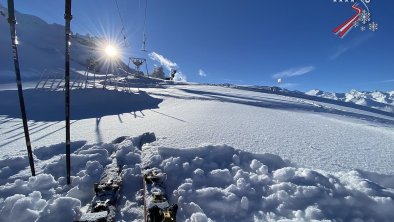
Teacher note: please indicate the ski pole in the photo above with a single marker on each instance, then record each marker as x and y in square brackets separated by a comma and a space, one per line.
[67, 17]
[14, 42]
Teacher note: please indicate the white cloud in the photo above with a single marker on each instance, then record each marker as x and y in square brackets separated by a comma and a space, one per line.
[293, 72]
[180, 77]
[339, 52]
[354, 44]
[202, 73]
[168, 64]
[386, 81]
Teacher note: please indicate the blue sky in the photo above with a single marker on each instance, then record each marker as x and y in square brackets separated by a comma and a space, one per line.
[245, 42]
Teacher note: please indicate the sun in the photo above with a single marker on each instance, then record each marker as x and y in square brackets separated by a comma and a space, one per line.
[111, 51]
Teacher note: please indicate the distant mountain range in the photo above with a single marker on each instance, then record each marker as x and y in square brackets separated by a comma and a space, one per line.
[378, 100]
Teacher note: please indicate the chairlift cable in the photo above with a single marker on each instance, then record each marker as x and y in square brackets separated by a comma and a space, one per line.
[14, 42]
[122, 22]
[144, 33]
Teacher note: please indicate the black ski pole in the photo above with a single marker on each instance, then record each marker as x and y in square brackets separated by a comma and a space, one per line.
[68, 17]
[14, 41]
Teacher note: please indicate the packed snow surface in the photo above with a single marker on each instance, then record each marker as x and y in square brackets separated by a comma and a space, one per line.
[309, 133]
[229, 154]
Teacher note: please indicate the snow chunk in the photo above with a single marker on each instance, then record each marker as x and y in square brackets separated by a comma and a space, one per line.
[284, 174]
[43, 182]
[61, 209]
[220, 177]
[245, 203]
[198, 217]
[22, 208]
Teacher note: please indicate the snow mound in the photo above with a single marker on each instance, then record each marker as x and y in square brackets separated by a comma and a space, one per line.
[46, 197]
[378, 100]
[11, 164]
[220, 183]
[209, 183]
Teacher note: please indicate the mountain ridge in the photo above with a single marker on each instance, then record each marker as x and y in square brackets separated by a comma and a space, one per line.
[375, 99]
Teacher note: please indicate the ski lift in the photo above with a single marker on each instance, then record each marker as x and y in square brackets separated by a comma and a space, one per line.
[138, 62]
[144, 43]
[144, 33]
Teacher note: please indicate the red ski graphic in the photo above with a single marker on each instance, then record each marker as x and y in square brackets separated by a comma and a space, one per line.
[345, 27]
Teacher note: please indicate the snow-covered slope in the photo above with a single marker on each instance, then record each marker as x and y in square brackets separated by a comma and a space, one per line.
[41, 47]
[378, 100]
[230, 153]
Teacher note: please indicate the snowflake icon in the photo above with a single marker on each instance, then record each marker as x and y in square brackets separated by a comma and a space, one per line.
[373, 26]
[356, 24]
[365, 17]
[362, 28]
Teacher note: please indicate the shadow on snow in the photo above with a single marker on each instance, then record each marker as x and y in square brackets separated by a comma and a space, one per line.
[271, 103]
[86, 103]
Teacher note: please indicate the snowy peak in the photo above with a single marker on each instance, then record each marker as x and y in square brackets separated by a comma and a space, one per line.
[328, 95]
[314, 92]
[377, 99]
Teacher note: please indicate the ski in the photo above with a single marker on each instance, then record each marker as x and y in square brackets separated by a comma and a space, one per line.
[103, 206]
[108, 191]
[156, 205]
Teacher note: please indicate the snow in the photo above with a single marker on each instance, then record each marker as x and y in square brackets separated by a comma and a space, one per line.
[38, 40]
[260, 187]
[293, 159]
[209, 183]
[377, 100]
[356, 136]
[331, 136]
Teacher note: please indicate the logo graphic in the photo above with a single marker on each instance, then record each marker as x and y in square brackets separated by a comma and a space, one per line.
[362, 15]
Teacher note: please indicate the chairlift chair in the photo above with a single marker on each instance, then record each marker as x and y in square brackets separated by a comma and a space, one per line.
[138, 62]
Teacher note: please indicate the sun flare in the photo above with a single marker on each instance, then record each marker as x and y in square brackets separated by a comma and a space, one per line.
[111, 51]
